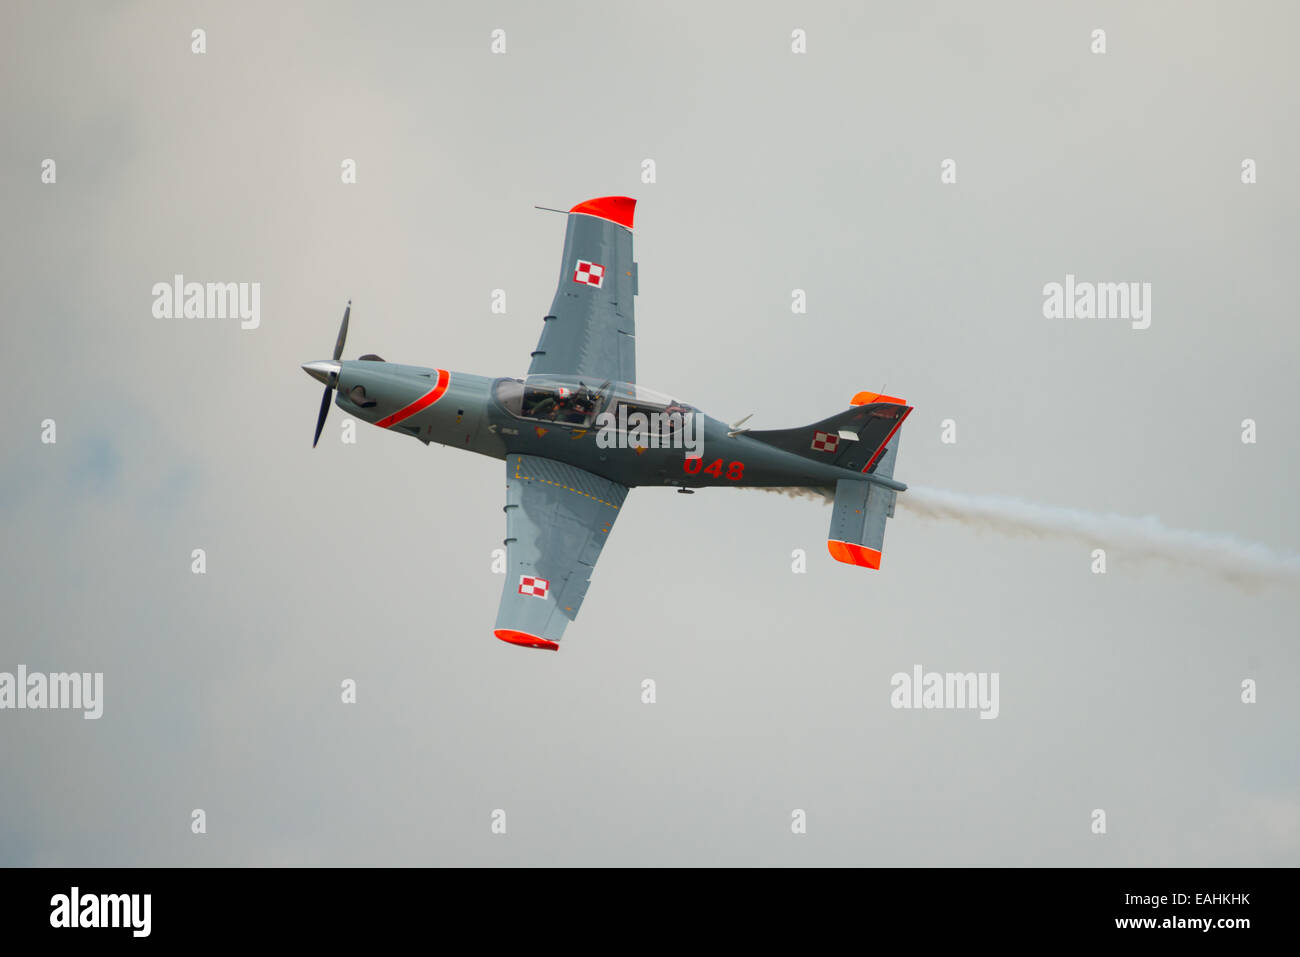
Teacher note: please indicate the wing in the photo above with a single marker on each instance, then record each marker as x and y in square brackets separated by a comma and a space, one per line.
[590, 329]
[557, 520]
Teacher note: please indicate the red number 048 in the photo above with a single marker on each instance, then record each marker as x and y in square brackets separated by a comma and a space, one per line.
[735, 470]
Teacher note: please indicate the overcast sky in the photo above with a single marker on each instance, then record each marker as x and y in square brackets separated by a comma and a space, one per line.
[774, 171]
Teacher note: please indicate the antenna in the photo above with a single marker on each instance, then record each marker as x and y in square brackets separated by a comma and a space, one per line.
[550, 210]
[737, 427]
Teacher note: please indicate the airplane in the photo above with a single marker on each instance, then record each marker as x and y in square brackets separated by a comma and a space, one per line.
[578, 432]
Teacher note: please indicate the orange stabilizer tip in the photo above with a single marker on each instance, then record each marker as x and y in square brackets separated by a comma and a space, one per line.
[525, 639]
[617, 209]
[851, 554]
[866, 398]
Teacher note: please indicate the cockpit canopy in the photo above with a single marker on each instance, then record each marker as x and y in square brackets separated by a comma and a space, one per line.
[579, 401]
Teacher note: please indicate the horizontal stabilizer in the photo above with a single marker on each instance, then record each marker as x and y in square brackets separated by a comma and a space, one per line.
[857, 531]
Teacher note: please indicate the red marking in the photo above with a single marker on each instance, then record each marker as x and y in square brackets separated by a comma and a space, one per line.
[866, 398]
[885, 444]
[825, 442]
[540, 431]
[851, 554]
[423, 402]
[530, 585]
[616, 209]
[525, 639]
[593, 274]
[693, 464]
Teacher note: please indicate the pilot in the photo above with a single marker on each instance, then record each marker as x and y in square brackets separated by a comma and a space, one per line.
[580, 409]
[562, 402]
[544, 408]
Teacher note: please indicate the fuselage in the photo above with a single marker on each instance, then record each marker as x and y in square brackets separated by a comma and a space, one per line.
[503, 416]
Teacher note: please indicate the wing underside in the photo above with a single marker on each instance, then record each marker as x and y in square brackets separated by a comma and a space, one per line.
[557, 520]
[590, 329]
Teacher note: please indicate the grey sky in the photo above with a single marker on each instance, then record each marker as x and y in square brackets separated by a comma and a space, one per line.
[775, 171]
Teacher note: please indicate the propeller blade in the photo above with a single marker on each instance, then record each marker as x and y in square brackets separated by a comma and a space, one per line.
[324, 411]
[343, 332]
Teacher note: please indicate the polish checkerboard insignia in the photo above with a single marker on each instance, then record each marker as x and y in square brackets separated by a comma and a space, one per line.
[537, 587]
[825, 442]
[593, 274]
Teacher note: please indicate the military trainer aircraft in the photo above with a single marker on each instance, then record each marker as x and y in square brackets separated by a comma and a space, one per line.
[577, 432]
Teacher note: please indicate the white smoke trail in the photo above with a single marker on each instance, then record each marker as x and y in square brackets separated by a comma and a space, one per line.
[1145, 538]
[1137, 539]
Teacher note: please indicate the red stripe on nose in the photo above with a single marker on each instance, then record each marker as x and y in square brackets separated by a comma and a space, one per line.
[423, 402]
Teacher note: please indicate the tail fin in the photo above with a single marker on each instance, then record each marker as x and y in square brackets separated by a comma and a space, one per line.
[854, 439]
[862, 439]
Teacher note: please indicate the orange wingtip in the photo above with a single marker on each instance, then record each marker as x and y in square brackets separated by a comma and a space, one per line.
[851, 554]
[617, 209]
[525, 639]
[866, 398]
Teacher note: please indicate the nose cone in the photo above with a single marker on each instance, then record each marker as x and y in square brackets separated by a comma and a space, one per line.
[323, 371]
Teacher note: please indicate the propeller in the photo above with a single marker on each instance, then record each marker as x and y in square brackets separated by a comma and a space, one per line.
[329, 374]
